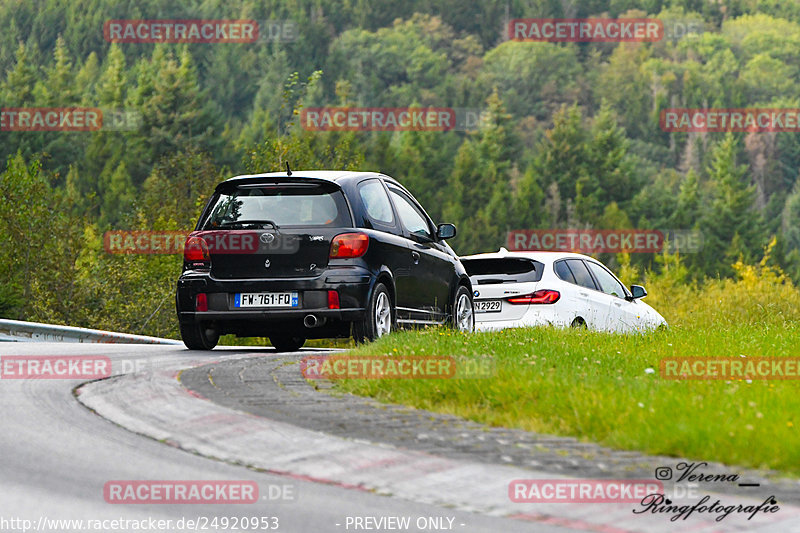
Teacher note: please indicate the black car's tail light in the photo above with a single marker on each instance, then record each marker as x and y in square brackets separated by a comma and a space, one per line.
[201, 302]
[195, 253]
[349, 245]
[333, 299]
[544, 296]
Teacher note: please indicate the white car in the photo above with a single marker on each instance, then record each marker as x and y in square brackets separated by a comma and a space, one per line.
[519, 289]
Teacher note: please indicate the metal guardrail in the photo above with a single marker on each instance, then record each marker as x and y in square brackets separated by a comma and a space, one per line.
[18, 331]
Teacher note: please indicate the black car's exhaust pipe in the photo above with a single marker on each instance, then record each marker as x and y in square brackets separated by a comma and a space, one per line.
[311, 321]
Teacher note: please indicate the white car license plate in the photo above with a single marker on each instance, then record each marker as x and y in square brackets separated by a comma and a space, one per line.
[266, 299]
[488, 306]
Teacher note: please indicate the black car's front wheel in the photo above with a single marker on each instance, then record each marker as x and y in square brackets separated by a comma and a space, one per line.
[199, 336]
[463, 318]
[286, 343]
[379, 318]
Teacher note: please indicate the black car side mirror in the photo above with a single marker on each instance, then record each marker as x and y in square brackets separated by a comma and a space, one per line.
[637, 291]
[445, 231]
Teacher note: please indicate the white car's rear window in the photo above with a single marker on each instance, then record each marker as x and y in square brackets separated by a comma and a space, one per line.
[504, 270]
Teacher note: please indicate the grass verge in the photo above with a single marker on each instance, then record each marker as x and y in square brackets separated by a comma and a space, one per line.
[596, 386]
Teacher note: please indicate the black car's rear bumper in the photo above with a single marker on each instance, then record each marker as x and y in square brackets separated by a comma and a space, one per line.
[274, 315]
[352, 284]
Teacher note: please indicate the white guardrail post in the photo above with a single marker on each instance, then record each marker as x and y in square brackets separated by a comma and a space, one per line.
[18, 331]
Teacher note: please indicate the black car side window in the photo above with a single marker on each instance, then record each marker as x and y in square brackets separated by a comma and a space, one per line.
[581, 273]
[376, 203]
[412, 218]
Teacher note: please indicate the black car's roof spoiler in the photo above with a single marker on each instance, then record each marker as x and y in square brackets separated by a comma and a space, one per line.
[252, 181]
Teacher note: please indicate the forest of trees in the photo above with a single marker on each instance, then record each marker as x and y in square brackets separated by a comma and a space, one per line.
[570, 135]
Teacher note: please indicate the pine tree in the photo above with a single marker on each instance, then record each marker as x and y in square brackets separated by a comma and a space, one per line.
[530, 211]
[175, 112]
[791, 218]
[480, 186]
[117, 194]
[86, 78]
[113, 83]
[731, 225]
[608, 170]
[58, 89]
[108, 149]
[17, 90]
[686, 215]
[562, 157]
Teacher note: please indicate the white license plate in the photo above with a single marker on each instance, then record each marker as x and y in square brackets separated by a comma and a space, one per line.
[266, 299]
[488, 306]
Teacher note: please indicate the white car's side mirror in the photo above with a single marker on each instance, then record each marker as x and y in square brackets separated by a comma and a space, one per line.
[637, 291]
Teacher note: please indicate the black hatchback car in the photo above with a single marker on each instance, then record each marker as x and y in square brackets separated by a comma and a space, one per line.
[317, 254]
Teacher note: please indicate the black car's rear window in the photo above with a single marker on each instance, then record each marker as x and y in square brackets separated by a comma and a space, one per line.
[280, 204]
[503, 270]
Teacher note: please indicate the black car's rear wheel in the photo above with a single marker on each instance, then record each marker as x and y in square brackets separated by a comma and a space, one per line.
[379, 319]
[287, 343]
[463, 315]
[199, 336]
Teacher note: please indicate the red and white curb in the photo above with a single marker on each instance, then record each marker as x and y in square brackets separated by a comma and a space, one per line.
[155, 404]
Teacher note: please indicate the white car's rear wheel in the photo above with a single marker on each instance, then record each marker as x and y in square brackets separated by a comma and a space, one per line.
[579, 323]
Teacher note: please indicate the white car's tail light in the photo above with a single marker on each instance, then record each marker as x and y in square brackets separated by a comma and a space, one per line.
[544, 296]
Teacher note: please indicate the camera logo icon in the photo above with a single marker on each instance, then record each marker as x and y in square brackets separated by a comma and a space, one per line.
[663, 473]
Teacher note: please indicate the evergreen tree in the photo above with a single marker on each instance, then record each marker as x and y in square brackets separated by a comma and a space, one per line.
[562, 157]
[17, 89]
[113, 83]
[530, 211]
[731, 226]
[107, 150]
[686, 214]
[117, 195]
[480, 186]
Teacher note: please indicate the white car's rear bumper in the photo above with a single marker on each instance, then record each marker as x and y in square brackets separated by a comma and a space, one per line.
[533, 317]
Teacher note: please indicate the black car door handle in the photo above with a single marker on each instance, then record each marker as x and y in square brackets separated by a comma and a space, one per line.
[415, 257]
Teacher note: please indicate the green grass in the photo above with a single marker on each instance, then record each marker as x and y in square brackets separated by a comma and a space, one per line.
[594, 386]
